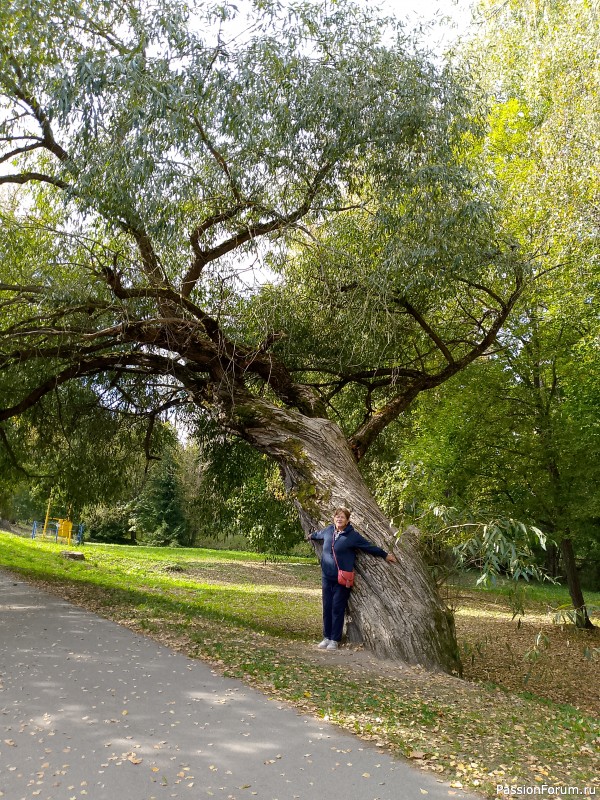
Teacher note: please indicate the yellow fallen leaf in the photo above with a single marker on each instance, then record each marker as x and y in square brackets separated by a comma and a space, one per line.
[366, 774]
[134, 759]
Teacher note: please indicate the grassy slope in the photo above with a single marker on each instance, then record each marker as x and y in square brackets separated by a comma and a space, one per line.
[254, 620]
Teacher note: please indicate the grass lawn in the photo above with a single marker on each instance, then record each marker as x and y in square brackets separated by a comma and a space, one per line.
[507, 724]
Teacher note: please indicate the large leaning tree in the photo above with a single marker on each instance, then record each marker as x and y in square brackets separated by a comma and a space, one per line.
[153, 157]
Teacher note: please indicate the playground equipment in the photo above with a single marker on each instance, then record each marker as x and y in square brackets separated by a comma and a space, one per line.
[63, 527]
[58, 529]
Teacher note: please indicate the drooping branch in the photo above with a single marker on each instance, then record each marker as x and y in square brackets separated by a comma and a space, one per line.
[153, 416]
[149, 364]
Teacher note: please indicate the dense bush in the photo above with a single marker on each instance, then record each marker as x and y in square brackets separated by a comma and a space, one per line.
[110, 524]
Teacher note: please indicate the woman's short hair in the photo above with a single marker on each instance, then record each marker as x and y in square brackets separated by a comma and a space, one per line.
[342, 510]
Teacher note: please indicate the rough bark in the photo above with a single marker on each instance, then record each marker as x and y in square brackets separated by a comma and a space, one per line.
[395, 609]
[582, 619]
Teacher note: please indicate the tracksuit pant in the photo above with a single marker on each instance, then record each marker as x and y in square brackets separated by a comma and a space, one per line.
[335, 600]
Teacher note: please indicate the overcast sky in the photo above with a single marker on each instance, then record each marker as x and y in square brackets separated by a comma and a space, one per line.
[451, 16]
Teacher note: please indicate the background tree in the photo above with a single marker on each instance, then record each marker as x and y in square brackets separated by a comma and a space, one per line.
[239, 493]
[521, 437]
[159, 517]
[158, 157]
[539, 60]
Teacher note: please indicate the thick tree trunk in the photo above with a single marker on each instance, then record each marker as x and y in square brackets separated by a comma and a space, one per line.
[395, 609]
[582, 619]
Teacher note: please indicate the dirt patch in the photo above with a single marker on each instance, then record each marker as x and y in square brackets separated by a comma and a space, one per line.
[532, 654]
[249, 572]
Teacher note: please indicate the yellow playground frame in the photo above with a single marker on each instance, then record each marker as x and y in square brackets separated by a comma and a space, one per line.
[64, 526]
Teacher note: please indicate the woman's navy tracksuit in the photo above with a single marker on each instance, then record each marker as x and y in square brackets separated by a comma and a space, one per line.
[335, 596]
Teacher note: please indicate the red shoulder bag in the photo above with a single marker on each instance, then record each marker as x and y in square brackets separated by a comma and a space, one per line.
[345, 578]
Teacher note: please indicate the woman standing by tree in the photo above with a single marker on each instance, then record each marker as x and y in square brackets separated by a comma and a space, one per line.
[340, 543]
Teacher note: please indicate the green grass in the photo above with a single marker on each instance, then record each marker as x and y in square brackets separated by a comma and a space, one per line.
[526, 597]
[546, 593]
[235, 610]
[211, 584]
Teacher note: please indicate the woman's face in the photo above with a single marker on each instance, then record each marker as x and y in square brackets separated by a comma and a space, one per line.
[340, 521]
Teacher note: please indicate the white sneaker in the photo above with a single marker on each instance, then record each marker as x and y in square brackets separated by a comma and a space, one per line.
[325, 643]
[332, 645]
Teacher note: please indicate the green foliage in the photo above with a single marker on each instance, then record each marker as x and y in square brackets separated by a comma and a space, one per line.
[502, 546]
[240, 492]
[110, 524]
[158, 515]
[513, 443]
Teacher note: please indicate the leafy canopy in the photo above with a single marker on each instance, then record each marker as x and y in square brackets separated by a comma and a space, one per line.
[153, 151]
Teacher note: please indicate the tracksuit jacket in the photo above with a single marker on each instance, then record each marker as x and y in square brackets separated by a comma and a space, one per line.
[346, 544]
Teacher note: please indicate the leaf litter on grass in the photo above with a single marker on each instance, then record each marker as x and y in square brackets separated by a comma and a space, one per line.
[470, 734]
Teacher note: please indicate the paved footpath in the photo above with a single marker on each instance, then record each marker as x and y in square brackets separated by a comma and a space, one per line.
[89, 709]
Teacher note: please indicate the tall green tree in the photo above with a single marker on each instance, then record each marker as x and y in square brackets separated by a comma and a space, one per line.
[159, 511]
[239, 491]
[160, 156]
[538, 60]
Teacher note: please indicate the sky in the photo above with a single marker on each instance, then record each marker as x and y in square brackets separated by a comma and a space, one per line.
[451, 16]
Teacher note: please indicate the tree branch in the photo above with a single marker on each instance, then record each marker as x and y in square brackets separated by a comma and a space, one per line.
[38, 112]
[218, 158]
[364, 436]
[422, 322]
[144, 362]
[279, 222]
[483, 288]
[18, 150]
[27, 177]
[15, 287]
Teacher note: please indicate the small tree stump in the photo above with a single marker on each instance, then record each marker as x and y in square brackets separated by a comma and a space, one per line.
[74, 555]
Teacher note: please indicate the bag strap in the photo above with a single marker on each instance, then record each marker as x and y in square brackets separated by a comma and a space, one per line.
[333, 550]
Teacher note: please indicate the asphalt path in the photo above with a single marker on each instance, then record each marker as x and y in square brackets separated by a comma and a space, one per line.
[89, 709]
